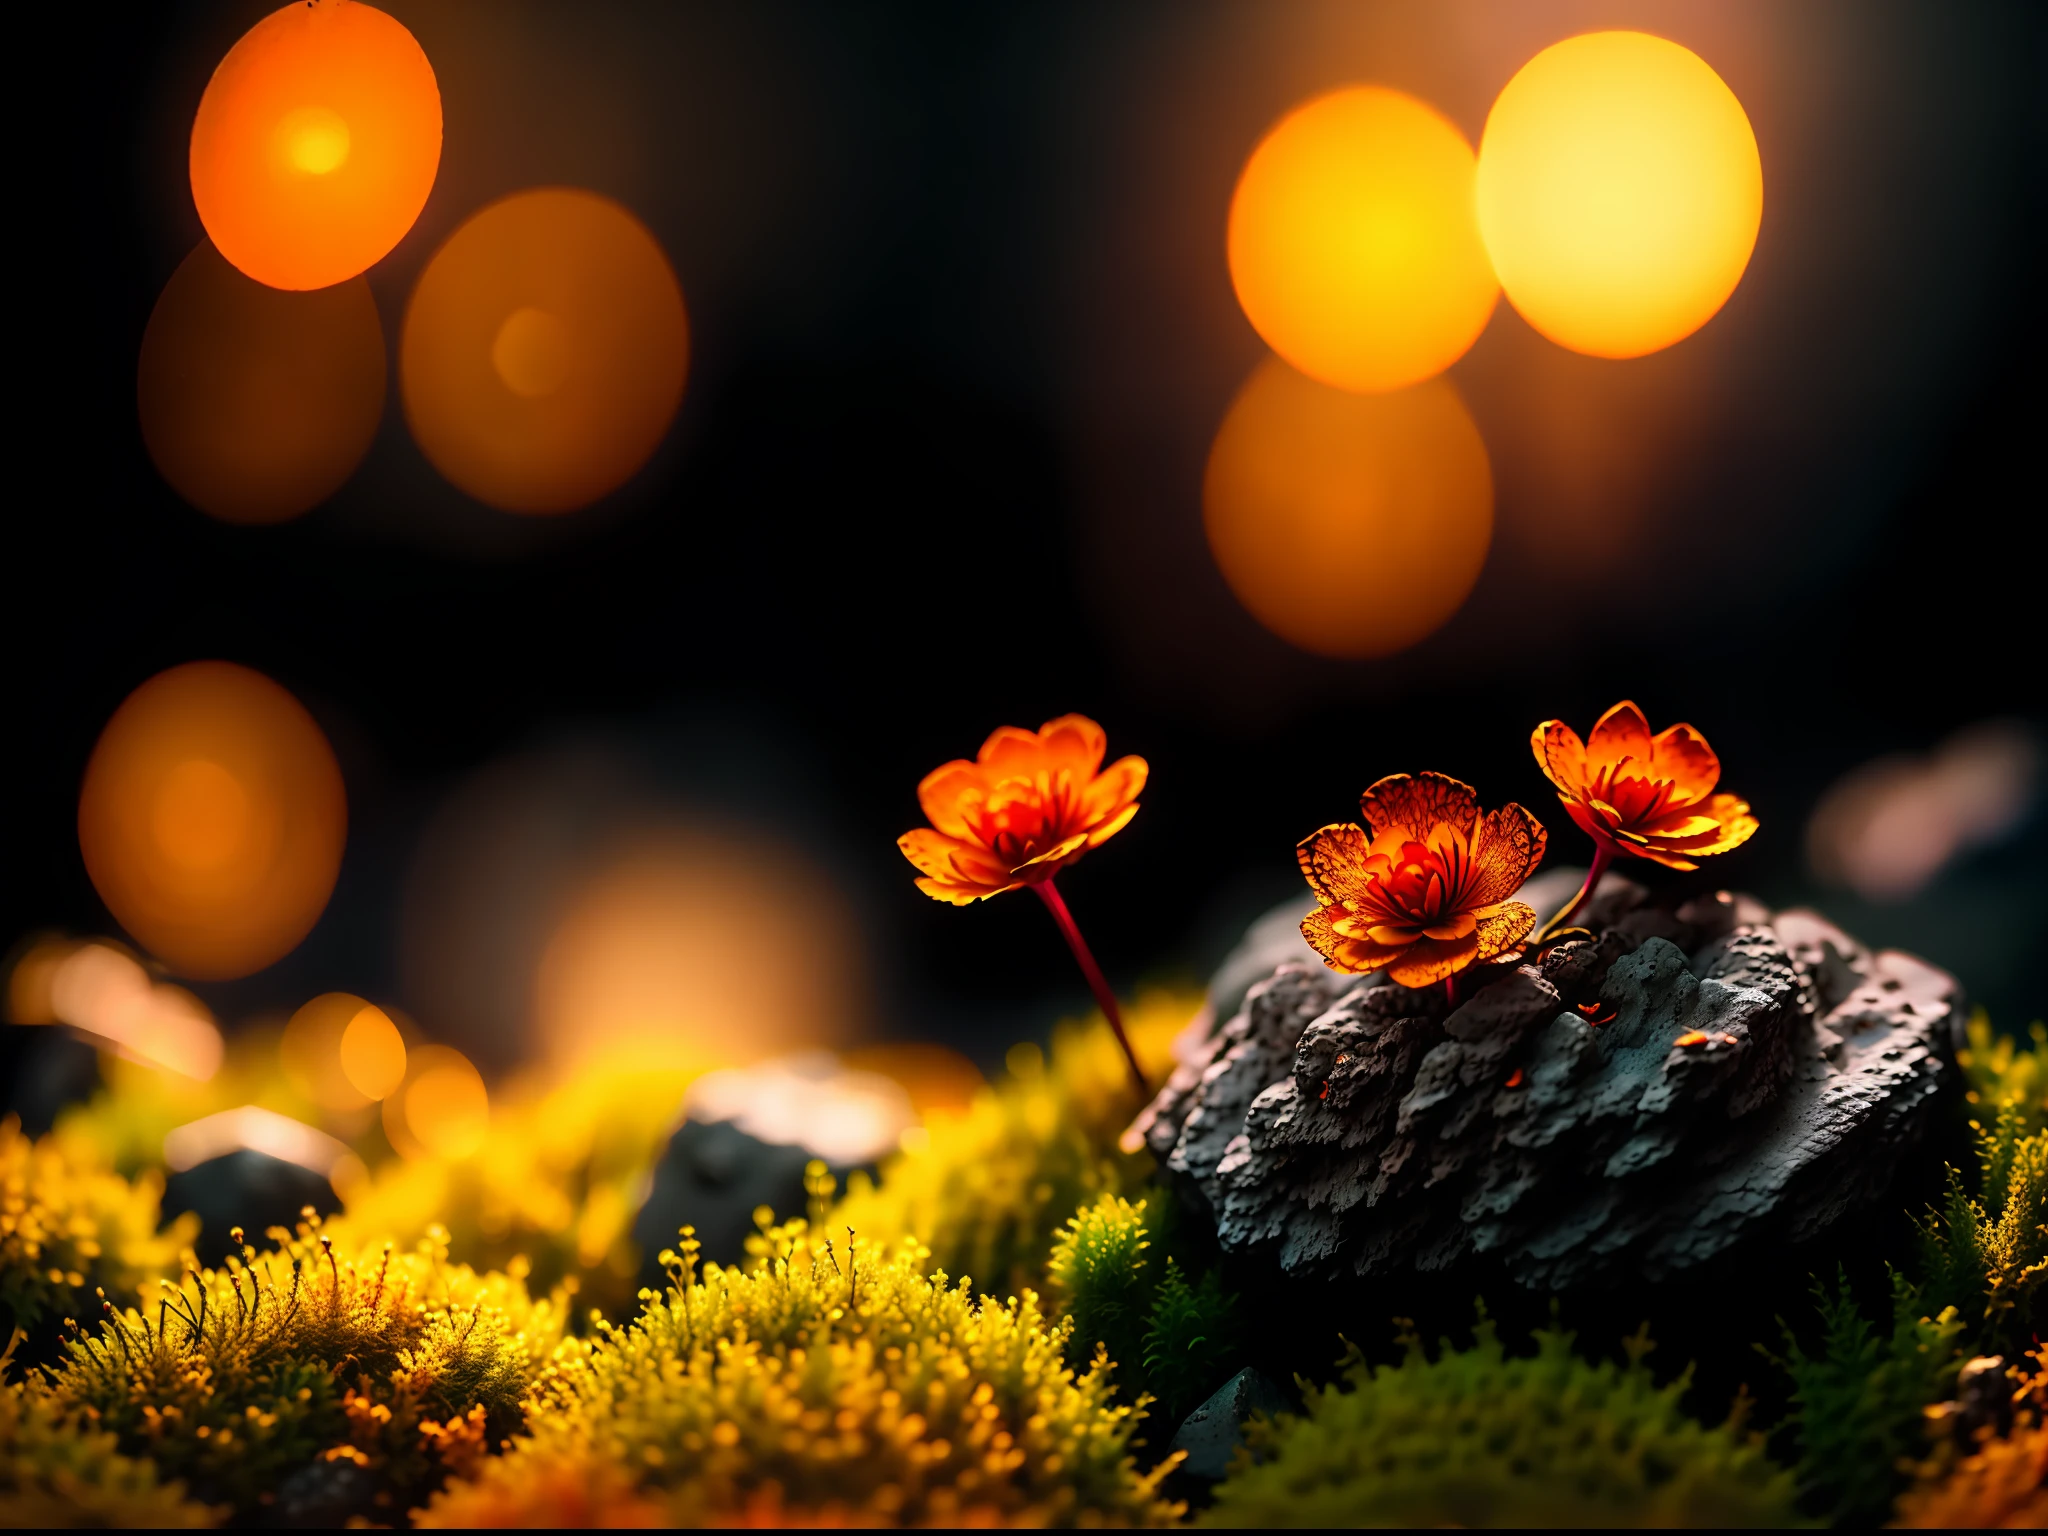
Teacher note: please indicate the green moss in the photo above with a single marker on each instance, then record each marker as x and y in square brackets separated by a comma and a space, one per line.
[1168, 1337]
[821, 1383]
[70, 1225]
[1097, 1272]
[1479, 1437]
[1987, 1257]
[1859, 1400]
[987, 1194]
[57, 1471]
[278, 1362]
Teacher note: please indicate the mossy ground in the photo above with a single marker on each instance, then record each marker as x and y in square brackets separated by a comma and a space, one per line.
[863, 1377]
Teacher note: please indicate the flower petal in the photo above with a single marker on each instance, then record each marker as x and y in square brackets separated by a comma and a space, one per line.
[1116, 787]
[1507, 845]
[1621, 732]
[1456, 925]
[1588, 822]
[1011, 752]
[1734, 820]
[1681, 754]
[1428, 961]
[1415, 803]
[1674, 824]
[960, 895]
[932, 852]
[1333, 860]
[1392, 935]
[1560, 754]
[1355, 956]
[944, 792]
[1059, 854]
[1102, 833]
[1504, 929]
[1074, 742]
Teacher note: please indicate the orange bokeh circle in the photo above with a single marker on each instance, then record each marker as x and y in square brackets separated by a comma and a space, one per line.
[441, 1109]
[1348, 524]
[316, 143]
[1353, 243]
[212, 819]
[257, 404]
[544, 351]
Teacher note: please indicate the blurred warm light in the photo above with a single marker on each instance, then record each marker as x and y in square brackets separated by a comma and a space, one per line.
[257, 404]
[811, 1101]
[212, 818]
[316, 143]
[342, 1052]
[1348, 524]
[372, 1052]
[254, 1129]
[544, 351]
[1887, 828]
[939, 1080]
[442, 1109]
[29, 981]
[102, 990]
[697, 950]
[1353, 245]
[1619, 192]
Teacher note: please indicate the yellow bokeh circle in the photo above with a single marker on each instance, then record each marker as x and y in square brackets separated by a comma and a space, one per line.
[1348, 524]
[212, 818]
[544, 351]
[1353, 245]
[1619, 192]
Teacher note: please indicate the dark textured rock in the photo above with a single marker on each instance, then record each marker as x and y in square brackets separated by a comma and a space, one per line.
[1636, 1103]
[1213, 1432]
[246, 1189]
[324, 1495]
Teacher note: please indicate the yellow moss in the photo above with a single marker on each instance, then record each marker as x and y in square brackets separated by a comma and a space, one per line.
[57, 1471]
[244, 1374]
[824, 1383]
[69, 1225]
[988, 1191]
[1999, 1072]
[557, 1182]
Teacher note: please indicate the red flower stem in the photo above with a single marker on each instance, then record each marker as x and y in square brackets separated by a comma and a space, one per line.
[1602, 857]
[1104, 998]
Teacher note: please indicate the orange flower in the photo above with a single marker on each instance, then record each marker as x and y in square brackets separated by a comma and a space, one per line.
[1647, 796]
[1425, 894]
[1030, 804]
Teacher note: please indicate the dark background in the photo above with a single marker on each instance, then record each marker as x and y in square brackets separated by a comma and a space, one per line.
[961, 332]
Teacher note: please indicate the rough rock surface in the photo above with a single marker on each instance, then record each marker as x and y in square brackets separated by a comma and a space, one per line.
[1212, 1433]
[1634, 1104]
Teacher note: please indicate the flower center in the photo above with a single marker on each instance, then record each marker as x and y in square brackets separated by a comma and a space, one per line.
[1418, 884]
[1635, 795]
[1023, 818]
